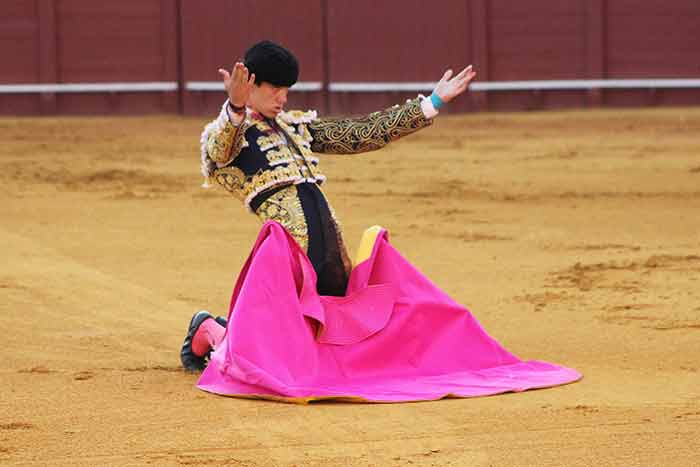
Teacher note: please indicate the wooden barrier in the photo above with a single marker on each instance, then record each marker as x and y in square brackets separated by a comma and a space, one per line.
[77, 57]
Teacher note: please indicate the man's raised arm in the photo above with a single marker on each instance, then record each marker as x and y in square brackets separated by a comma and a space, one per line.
[224, 137]
[376, 130]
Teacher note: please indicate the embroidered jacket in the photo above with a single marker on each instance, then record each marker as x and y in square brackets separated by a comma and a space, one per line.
[260, 154]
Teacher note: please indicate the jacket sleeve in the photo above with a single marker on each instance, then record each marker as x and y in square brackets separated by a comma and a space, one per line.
[376, 130]
[223, 139]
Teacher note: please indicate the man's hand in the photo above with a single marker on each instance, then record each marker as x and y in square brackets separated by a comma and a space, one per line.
[238, 84]
[447, 89]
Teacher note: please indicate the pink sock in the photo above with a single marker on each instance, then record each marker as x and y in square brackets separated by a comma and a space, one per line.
[207, 337]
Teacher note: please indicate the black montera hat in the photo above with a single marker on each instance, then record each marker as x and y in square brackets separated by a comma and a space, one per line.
[272, 64]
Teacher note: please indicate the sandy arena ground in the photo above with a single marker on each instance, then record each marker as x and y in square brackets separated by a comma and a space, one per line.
[574, 237]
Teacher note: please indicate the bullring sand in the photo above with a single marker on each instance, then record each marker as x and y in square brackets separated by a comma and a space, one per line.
[574, 237]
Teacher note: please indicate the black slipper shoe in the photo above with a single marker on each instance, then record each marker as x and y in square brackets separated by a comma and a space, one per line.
[190, 361]
[221, 320]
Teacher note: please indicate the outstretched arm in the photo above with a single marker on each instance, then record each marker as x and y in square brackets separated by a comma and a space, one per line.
[376, 130]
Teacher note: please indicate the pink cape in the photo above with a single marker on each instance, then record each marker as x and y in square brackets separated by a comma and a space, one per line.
[394, 337]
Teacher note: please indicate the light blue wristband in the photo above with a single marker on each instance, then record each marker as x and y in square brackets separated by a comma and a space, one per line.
[437, 102]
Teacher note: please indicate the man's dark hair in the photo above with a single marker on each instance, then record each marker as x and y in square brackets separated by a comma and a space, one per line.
[272, 64]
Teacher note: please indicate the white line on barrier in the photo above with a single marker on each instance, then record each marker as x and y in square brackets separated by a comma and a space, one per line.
[585, 84]
[520, 85]
[310, 86]
[88, 87]
[304, 86]
[380, 87]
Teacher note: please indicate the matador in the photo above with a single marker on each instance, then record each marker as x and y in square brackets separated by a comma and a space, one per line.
[264, 156]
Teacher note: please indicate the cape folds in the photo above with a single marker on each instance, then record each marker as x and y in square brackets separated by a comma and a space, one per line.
[394, 337]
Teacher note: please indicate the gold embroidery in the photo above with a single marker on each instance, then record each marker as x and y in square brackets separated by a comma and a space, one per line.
[303, 143]
[270, 141]
[348, 135]
[247, 187]
[262, 125]
[305, 135]
[305, 149]
[285, 208]
[307, 163]
[283, 155]
[298, 116]
[233, 179]
[315, 172]
[225, 143]
[312, 159]
[288, 154]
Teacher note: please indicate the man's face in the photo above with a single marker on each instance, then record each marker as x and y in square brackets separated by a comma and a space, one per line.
[267, 99]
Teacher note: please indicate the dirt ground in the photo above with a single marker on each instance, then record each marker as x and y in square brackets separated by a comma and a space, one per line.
[574, 237]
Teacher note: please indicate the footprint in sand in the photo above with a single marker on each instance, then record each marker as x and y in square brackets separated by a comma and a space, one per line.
[625, 285]
[16, 426]
[37, 370]
[83, 375]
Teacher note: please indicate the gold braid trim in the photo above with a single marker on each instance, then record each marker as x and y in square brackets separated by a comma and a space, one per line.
[225, 142]
[295, 117]
[266, 142]
[261, 125]
[353, 135]
[285, 208]
[247, 187]
[283, 155]
[233, 179]
[301, 138]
